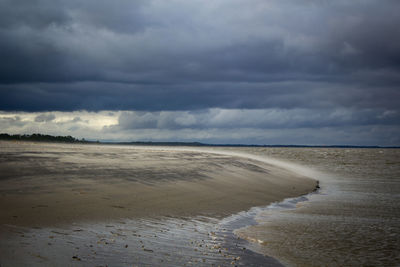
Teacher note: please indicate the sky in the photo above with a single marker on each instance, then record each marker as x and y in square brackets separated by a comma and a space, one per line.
[312, 72]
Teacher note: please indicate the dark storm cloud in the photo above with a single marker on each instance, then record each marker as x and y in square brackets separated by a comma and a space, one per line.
[255, 119]
[189, 96]
[180, 54]
[193, 65]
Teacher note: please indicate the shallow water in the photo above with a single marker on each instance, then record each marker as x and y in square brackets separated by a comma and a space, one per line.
[199, 241]
[353, 220]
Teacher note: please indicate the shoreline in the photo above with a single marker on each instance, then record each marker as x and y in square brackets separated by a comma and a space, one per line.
[208, 240]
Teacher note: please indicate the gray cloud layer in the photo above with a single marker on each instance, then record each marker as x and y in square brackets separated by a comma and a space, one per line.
[256, 126]
[184, 64]
[197, 54]
[262, 118]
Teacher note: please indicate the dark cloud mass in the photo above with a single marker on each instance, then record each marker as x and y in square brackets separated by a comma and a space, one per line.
[321, 57]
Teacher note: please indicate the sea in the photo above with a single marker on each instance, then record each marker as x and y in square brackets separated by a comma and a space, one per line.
[352, 220]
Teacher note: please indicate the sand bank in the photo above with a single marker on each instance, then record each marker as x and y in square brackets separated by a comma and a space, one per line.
[98, 205]
[46, 184]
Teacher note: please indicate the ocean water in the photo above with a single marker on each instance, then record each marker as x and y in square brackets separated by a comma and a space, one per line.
[353, 220]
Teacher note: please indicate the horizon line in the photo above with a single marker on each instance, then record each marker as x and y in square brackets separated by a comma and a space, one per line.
[37, 137]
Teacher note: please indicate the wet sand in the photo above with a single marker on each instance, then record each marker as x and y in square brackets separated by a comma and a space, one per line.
[60, 188]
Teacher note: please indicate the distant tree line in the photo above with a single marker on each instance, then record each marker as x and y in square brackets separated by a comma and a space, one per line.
[69, 139]
[40, 138]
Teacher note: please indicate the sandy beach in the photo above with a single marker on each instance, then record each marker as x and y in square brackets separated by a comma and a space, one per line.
[47, 186]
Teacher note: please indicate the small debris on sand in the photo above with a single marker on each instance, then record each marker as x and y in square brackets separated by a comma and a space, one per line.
[118, 207]
[60, 233]
[39, 256]
[76, 258]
